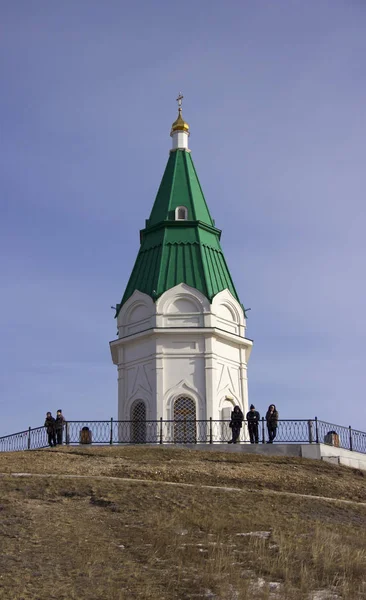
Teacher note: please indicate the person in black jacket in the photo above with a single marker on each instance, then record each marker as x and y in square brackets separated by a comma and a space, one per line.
[50, 428]
[59, 426]
[236, 424]
[272, 422]
[253, 418]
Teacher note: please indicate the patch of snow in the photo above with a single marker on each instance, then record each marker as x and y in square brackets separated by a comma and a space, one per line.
[274, 586]
[222, 544]
[260, 534]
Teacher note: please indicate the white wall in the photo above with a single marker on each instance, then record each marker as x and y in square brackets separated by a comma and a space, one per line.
[181, 345]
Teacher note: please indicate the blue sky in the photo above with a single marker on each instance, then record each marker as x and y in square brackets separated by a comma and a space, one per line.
[275, 95]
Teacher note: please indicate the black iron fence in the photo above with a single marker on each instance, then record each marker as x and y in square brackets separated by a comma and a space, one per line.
[187, 431]
[30, 439]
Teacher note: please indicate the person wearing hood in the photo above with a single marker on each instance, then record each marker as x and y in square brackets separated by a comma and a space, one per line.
[272, 422]
[51, 429]
[235, 424]
[253, 418]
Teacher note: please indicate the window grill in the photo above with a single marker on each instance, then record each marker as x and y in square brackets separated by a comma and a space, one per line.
[138, 423]
[184, 421]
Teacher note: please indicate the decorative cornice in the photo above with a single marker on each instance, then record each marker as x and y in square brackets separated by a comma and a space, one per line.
[181, 224]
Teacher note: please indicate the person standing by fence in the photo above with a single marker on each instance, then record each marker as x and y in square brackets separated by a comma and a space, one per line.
[253, 418]
[236, 422]
[272, 422]
[59, 426]
[50, 425]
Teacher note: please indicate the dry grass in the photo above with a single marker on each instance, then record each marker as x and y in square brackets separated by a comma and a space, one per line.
[112, 540]
[194, 466]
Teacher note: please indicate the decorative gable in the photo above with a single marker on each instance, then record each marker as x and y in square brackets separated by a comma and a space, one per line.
[136, 315]
[182, 306]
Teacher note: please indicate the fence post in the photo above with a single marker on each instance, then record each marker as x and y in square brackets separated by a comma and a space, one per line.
[350, 438]
[67, 434]
[210, 430]
[310, 431]
[29, 437]
[161, 431]
[316, 431]
[263, 432]
[111, 433]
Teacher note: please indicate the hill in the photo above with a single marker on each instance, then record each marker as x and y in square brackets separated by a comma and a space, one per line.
[116, 523]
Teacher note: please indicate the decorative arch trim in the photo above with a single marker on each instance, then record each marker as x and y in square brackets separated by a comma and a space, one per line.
[136, 300]
[226, 299]
[185, 292]
[189, 304]
[138, 396]
[232, 399]
[183, 389]
[143, 313]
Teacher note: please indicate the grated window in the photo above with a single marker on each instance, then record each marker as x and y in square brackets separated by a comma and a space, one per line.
[184, 420]
[138, 423]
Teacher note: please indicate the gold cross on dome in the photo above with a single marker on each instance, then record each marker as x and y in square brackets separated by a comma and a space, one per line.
[179, 100]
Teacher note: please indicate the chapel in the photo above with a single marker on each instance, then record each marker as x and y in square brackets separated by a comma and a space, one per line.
[181, 350]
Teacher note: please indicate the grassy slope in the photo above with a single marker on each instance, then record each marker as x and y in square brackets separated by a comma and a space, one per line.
[115, 539]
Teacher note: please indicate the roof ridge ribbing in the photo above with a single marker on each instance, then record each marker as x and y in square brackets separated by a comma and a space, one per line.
[161, 271]
[201, 190]
[173, 177]
[204, 265]
[189, 185]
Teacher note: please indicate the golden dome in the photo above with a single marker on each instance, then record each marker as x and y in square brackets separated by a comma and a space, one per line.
[179, 124]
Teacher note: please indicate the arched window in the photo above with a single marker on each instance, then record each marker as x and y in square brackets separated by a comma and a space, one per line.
[181, 213]
[184, 421]
[138, 422]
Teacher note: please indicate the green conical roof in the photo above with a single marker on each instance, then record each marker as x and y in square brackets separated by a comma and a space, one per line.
[179, 251]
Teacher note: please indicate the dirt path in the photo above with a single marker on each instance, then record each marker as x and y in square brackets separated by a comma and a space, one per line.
[190, 485]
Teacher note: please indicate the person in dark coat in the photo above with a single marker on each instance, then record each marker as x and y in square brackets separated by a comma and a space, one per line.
[272, 422]
[253, 418]
[59, 426]
[236, 423]
[50, 425]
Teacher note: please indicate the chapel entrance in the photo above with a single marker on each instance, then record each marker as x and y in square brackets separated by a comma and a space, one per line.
[184, 421]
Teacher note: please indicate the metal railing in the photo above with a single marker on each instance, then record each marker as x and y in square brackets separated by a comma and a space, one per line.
[186, 431]
[30, 439]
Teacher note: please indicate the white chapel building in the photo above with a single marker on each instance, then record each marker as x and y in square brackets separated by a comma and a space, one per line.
[181, 351]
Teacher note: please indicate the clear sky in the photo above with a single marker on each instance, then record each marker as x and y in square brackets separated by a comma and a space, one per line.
[275, 95]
